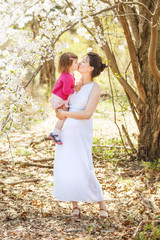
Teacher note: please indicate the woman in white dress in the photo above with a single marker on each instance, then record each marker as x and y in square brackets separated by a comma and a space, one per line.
[74, 177]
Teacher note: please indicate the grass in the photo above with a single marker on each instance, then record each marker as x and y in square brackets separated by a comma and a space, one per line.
[149, 229]
[22, 151]
[125, 181]
[152, 165]
[107, 147]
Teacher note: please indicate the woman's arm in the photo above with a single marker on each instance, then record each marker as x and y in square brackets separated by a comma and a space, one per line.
[89, 110]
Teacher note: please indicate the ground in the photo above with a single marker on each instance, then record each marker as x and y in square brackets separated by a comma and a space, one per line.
[28, 210]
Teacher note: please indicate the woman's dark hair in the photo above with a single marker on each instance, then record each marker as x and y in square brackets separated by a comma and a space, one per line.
[96, 62]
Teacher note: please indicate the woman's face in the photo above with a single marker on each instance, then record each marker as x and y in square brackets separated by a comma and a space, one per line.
[84, 65]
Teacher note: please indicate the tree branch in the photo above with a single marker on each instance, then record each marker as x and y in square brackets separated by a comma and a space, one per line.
[128, 139]
[134, 21]
[90, 32]
[132, 53]
[65, 30]
[124, 3]
[133, 110]
[10, 148]
[24, 164]
[115, 69]
[23, 181]
[115, 118]
[105, 1]
[70, 5]
[33, 76]
[153, 44]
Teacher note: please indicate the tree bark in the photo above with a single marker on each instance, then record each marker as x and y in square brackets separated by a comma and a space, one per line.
[153, 44]
[132, 16]
[133, 54]
[149, 118]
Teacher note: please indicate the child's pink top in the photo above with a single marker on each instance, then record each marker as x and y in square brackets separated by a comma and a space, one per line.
[64, 85]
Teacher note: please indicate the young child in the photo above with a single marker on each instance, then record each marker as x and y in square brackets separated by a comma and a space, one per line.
[64, 87]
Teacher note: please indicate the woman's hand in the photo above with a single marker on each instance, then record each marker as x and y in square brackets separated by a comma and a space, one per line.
[60, 114]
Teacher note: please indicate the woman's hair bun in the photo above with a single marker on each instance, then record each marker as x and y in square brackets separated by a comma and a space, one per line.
[103, 66]
[96, 61]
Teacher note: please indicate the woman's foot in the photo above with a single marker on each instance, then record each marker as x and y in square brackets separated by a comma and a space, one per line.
[76, 213]
[103, 213]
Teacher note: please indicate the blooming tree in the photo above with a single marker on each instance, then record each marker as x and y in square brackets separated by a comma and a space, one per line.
[22, 50]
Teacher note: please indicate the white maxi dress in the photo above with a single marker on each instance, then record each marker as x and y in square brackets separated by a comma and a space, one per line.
[74, 177]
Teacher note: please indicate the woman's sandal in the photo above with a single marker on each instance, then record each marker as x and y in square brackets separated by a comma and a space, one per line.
[103, 216]
[76, 216]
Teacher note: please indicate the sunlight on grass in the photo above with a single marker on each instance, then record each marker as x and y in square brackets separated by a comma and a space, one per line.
[152, 165]
[22, 151]
[149, 229]
[125, 181]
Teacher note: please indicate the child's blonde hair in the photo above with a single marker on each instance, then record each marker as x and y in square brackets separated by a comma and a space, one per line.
[65, 61]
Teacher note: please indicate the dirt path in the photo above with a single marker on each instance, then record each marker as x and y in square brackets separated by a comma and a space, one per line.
[28, 210]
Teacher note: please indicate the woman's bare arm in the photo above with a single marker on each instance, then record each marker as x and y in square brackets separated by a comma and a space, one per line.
[88, 111]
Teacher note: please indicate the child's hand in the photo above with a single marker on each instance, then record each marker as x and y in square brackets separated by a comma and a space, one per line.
[60, 114]
[64, 107]
[78, 86]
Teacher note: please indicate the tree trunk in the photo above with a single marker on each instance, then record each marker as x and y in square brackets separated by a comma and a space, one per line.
[149, 118]
[47, 75]
[158, 50]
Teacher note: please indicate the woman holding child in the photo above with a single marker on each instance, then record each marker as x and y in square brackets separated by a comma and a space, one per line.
[74, 177]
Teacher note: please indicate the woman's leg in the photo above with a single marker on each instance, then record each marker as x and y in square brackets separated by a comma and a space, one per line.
[103, 209]
[76, 210]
